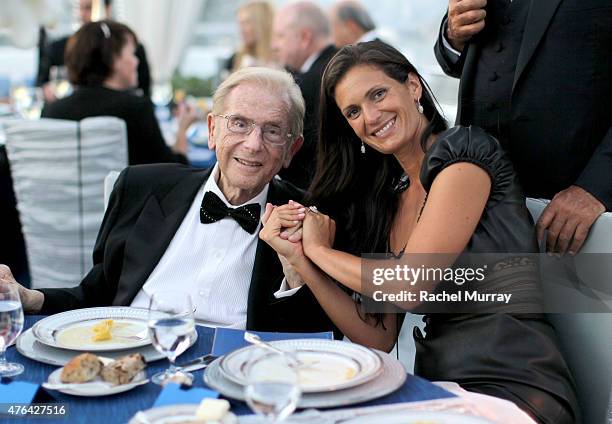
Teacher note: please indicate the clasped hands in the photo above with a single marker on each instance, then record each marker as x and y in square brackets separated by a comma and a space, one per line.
[296, 233]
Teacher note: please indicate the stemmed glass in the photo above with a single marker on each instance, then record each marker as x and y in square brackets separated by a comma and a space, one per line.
[171, 326]
[11, 324]
[272, 388]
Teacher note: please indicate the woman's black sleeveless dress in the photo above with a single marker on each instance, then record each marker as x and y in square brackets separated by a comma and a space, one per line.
[514, 356]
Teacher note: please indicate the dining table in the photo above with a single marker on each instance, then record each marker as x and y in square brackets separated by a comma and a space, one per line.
[121, 407]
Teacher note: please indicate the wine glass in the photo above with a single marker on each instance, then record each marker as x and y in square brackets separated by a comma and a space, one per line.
[171, 325]
[272, 388]
[11, 324]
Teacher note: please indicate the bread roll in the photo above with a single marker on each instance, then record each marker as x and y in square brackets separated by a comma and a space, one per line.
[124, 369]
[81, 368]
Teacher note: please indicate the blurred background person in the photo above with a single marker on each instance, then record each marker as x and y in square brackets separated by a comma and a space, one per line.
[536, 75]
[255, 19]
[52, 55]
[351, 23]
[102, 66]
[301, 41]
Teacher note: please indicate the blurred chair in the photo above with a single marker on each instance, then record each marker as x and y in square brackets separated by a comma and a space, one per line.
[58, 169]
[586, 338]
[109, 184]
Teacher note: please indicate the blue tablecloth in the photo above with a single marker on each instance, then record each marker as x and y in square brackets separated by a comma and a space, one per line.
[121, 407]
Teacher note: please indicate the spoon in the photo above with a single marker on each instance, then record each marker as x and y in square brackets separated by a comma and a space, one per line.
[256, 340]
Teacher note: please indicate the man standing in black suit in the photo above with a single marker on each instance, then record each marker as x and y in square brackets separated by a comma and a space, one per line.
[52, 55]
[173, 227]
[301, 40]
[537, 74]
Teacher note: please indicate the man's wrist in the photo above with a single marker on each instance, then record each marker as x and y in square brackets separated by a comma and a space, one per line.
[456, 45]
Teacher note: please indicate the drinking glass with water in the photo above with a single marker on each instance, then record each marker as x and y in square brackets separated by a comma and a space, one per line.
[171, 326]
[272, 388]
[11, 324]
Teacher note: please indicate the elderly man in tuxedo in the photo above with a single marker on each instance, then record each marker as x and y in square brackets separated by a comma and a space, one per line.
[169, 226]
[536, 74]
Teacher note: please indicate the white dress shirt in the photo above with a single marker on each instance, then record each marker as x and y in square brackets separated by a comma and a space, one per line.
[310, 61]
[212, 262]
[368, 36]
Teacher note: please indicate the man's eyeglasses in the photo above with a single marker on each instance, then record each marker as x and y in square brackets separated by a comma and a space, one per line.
[272, 134]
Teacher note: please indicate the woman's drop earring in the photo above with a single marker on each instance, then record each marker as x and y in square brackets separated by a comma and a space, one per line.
[362, 147]
[419, 106]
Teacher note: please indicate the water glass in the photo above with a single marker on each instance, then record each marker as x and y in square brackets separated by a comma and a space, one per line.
[272, 388]
[11, 324]
[171, 327]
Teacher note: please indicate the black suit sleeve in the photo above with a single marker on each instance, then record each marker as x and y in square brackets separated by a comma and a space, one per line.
[595, 178]
[447, 59]
[301, 312]
[50, 55]
[144, 76]
[146, 142]
[96, 289]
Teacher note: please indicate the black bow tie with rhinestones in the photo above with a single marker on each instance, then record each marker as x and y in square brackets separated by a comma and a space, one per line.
[213, 209]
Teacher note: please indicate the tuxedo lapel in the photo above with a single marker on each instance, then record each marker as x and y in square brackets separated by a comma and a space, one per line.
[267, 271]
[157, 224]
[539, 17]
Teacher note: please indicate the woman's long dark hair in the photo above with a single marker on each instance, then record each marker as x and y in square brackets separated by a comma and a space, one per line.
[357, 189]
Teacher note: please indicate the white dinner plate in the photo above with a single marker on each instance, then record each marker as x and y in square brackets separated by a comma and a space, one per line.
[73, 329]
[390, 379]
[99, 386]
[329, 365]
[31, 348]
[417, 417]
[175, 414]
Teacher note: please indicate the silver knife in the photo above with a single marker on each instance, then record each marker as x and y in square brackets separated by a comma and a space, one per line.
[198, 363]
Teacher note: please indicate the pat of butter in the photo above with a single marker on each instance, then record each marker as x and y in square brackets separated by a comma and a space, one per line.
[212, 409]
[350, 373]
[102, 330]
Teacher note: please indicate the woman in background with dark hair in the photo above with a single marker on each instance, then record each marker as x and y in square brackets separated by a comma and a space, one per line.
[102, 67]
[395, 179]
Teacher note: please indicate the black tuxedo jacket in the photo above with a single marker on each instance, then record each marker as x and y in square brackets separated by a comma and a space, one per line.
[146, 208]
[301, 168]
[560, 131]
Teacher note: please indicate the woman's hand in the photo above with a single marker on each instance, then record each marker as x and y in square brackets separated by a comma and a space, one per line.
[318, 231]
[276, 220]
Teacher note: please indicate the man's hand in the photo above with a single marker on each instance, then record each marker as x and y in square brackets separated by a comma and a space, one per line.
[31, 300]
[277, 220]
[466, 18]
[49, 93]
[568, 219]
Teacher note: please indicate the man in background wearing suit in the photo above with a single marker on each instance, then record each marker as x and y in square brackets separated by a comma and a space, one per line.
[301, 40]
[537, 75]
[351, 23]
[52, 55]
[169, 226]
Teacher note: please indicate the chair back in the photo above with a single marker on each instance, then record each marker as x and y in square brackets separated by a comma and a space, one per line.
[586, 338]
[58, 169]
[109, 185]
